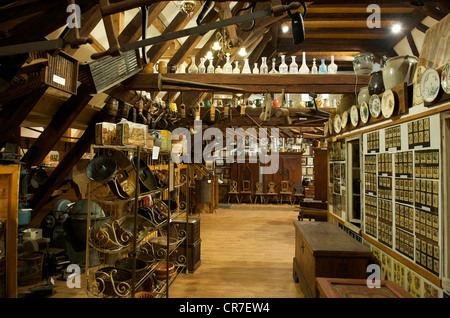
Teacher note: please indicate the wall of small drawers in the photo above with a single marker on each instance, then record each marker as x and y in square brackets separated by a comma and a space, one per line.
[401, 187]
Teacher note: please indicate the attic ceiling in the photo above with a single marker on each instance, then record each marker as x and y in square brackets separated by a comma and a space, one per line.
[336, 28]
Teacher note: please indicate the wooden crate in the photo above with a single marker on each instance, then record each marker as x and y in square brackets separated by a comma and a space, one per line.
[193, 256]
[62, 73]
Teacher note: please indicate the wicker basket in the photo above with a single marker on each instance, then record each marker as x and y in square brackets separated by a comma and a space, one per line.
[29, 268]
[127, 263]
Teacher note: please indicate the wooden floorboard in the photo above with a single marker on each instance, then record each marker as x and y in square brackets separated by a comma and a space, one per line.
[246, 252]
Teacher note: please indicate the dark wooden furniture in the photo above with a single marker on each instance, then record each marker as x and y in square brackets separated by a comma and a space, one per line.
[357, 288]
[285, 192]
[289, 168]
[246, 191]
[324, 250]
[316, 214]
[320, 174]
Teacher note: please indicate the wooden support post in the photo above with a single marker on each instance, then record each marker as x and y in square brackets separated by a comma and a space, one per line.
[66, 165]
[61, 121]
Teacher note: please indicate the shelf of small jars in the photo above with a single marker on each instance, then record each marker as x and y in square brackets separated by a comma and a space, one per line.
[258, 83]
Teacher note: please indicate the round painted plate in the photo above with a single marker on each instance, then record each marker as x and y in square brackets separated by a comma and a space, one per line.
[430, 83]
[445, 78]
[337, 124]
[417, 96]
[364, 113]
[375, 106]
[325, 129]
[344, 119]
[330, 126]
[388, 103]
[354, 115]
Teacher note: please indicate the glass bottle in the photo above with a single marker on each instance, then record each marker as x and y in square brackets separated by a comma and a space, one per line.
[193, 68]
[255, 69]
[246, 69]
[304, 68]
[218, 70]
[332, 67]
[323, 67]
[210, 68]
[264, 69]
[236, 68]
[274, 69]
[202, 67]
[293, 67]
[228, 68]
[283, 66]
[314, 67]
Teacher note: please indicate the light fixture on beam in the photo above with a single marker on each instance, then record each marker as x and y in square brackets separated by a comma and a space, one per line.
[284, 27]
[186, 6]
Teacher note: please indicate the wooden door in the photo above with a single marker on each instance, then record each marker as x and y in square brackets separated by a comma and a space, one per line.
[289, 169]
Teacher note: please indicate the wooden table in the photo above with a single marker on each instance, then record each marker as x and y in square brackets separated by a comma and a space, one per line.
[357, 288]
[324, 250]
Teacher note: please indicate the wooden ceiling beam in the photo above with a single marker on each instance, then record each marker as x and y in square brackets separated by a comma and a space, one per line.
[256, 53]
[59, 124]
[133, 30]
[227, 14]
[178, 23]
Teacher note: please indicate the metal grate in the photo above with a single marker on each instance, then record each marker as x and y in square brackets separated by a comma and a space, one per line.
[111, 70]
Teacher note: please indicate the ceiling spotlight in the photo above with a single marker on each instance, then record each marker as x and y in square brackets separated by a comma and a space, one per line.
[396, 28]
[285, 28]
[216, 46]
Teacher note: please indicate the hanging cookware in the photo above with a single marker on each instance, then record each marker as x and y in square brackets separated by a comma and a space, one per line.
[297, 25]
[101, 169]
[147, 179]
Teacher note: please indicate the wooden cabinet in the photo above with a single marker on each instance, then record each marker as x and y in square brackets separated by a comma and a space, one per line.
[324, 250]
[9, 193]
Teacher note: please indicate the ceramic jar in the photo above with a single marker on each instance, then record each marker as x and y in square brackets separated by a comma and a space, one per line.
[376, 84]
[363, 63]
[399, 69]
[363, 95]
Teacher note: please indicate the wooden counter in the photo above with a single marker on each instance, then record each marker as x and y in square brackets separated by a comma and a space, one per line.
[324, 250]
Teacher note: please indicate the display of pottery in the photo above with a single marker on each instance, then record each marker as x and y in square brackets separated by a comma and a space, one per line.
[364, 113]
[375, 105]
[399, 69]
[376, 84]
[346, 101]
[354, 115]
[363, 95]
[363, 63]
[344, 119]
[388, 103]
[430, 84]
[337, 124]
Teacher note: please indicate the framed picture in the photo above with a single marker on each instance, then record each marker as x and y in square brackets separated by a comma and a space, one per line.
[226, 172]
[310, 161]
[218, 170]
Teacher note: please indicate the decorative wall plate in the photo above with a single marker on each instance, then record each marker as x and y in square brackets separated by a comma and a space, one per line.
[445, 78]
[354, 115]
[325, 129]
[330, 126]
[375, 106]
[337, 124]
[430, 83]
[364, 112]
[417, 96]
[388, 103]
[344, 119]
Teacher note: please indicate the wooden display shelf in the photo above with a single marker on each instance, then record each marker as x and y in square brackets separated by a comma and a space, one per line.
[256, 83]
[402, 94]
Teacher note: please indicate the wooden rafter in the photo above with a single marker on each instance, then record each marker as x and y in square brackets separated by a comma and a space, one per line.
[178, 23]
[61, 121]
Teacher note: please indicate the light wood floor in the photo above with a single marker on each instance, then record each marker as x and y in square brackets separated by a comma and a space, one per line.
[246, 252]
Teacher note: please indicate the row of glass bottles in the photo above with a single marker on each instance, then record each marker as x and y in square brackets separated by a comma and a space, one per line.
[263, 69]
